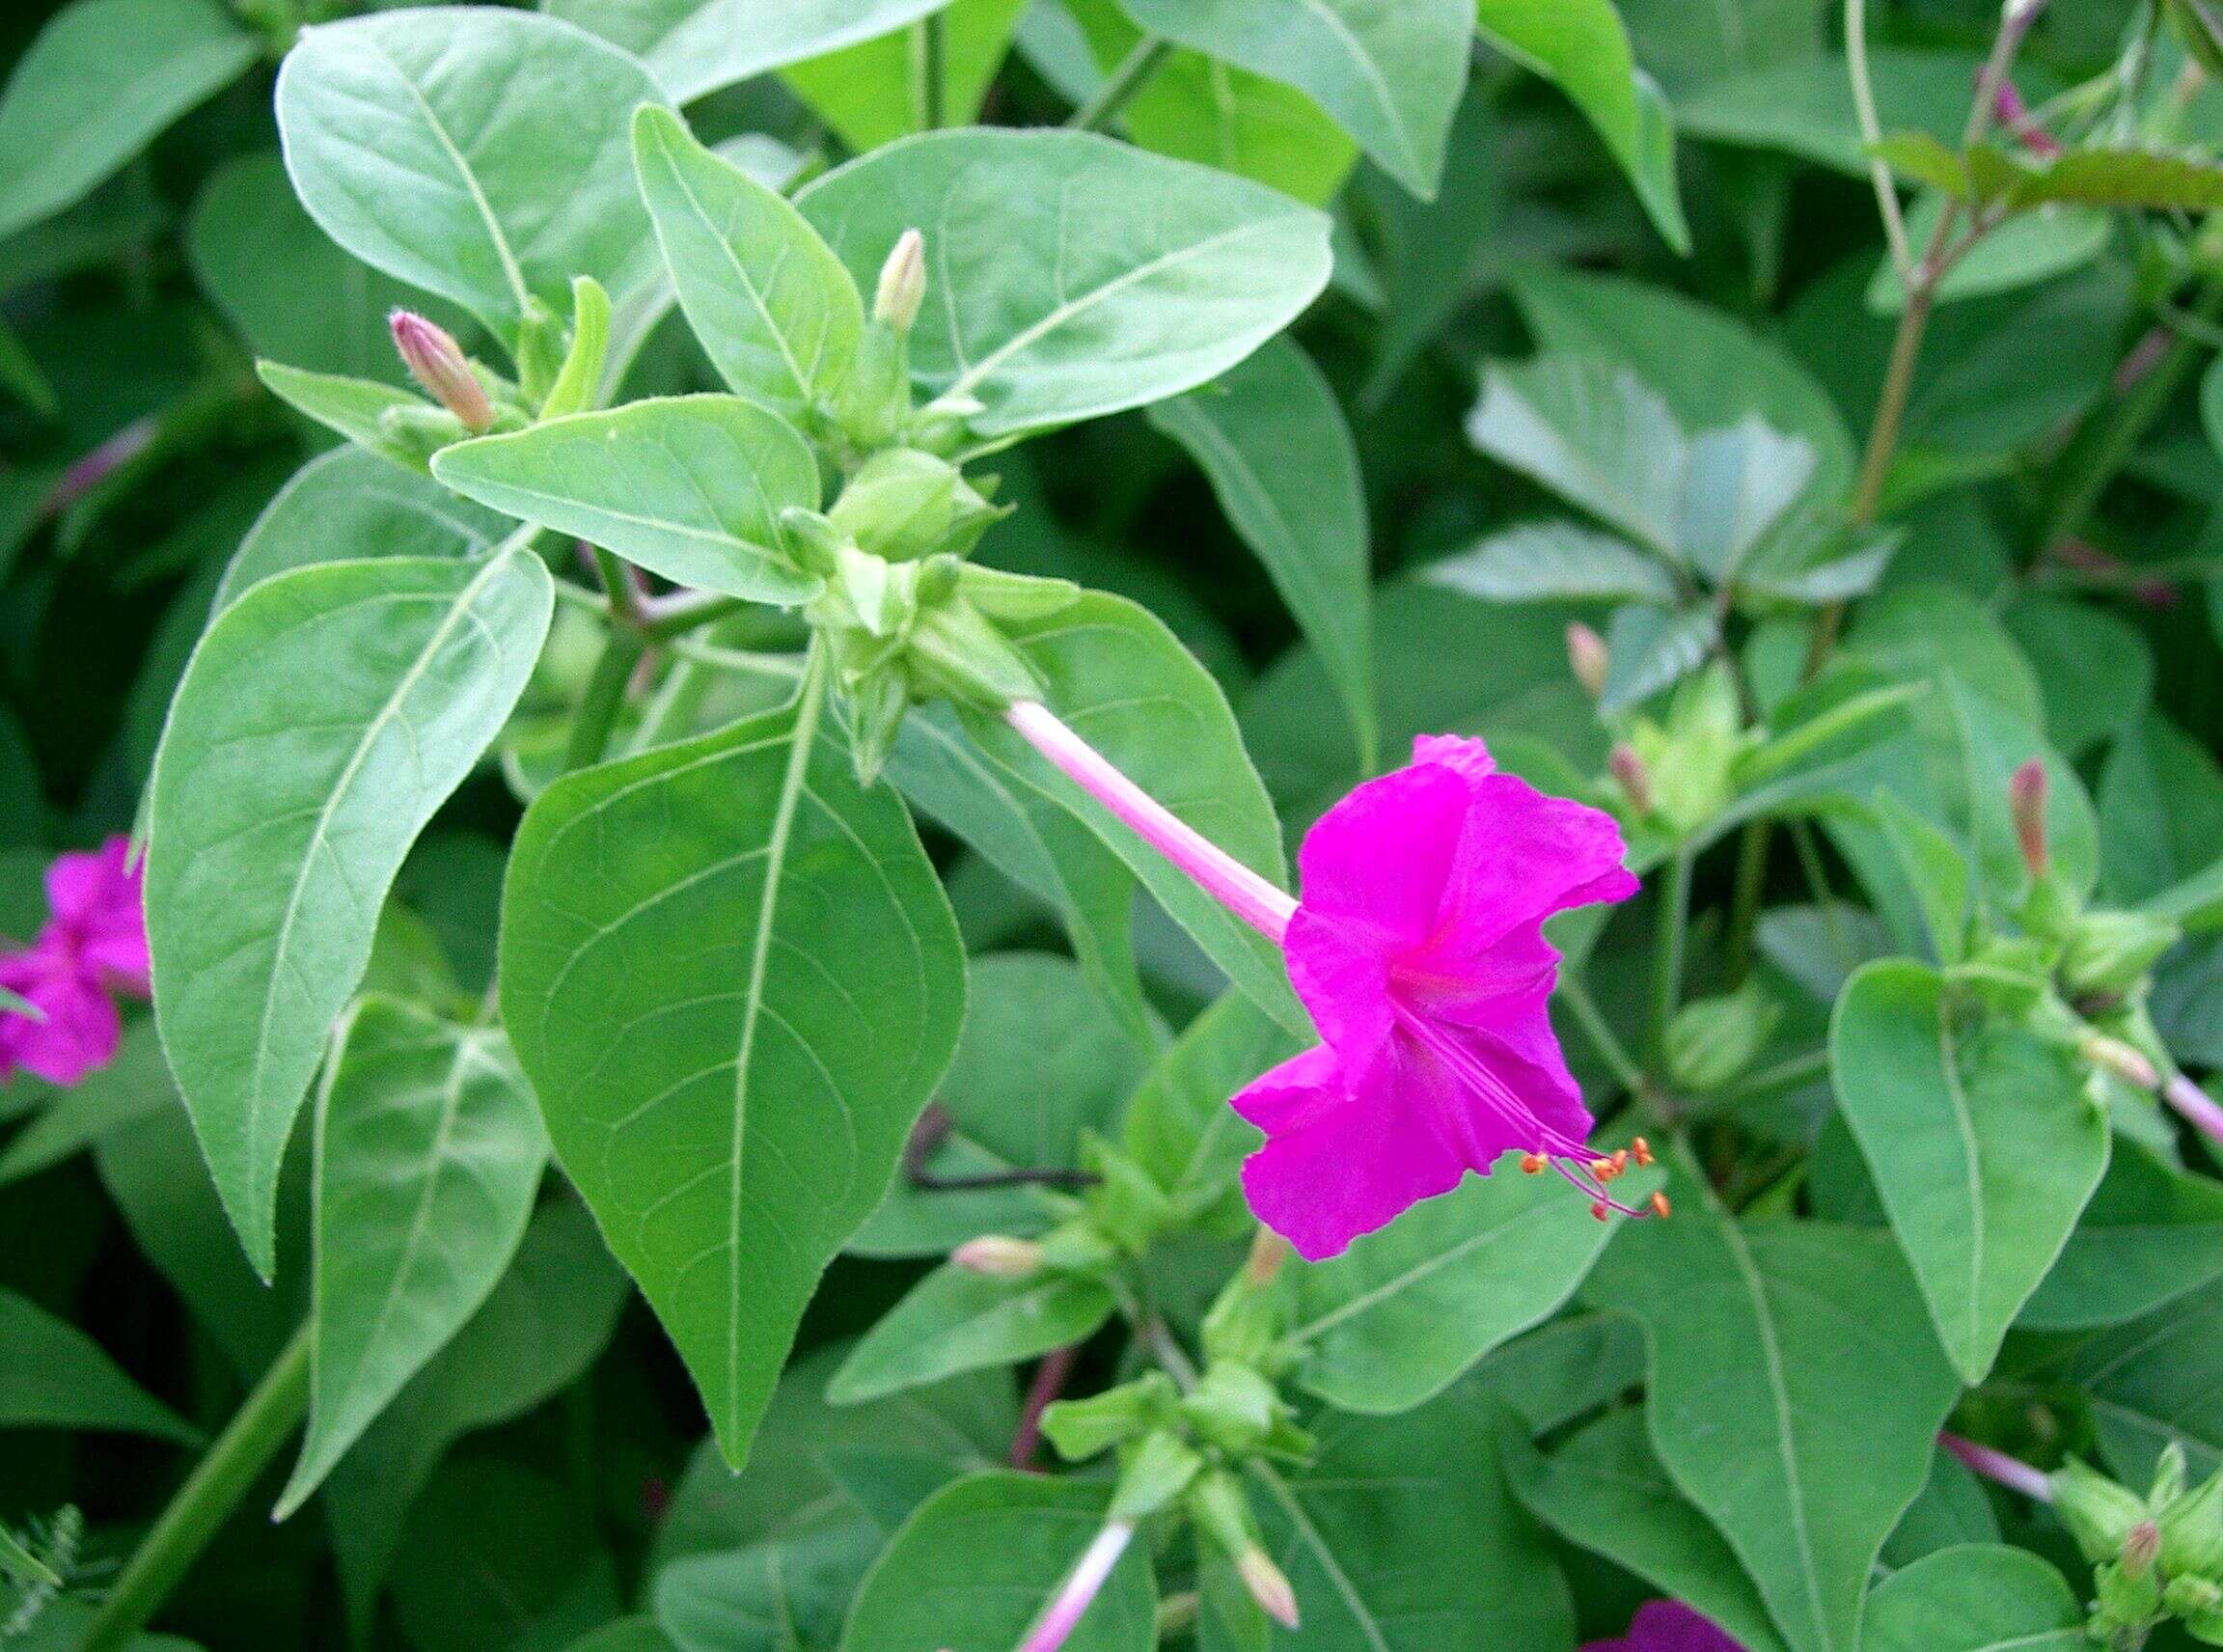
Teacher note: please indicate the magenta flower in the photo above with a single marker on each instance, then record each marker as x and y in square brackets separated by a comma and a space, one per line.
[1418, 948]
[94, 945]
[1667, 1626]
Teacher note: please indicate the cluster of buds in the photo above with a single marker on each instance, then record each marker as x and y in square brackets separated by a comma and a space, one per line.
[2156, 1557]
[1672, 774]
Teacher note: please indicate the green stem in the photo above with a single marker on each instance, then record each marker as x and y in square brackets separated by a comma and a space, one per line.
[2107, 439]
[1668, 952]
[261, 1425]
[929, 69]
[605, 697]
[1599, 1031]
[1124, 81]
[1745, 899]
[678, 621]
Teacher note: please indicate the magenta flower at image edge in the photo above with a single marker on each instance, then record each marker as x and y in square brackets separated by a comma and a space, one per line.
[1667, 1626]
[1418, 948]
[94, 945]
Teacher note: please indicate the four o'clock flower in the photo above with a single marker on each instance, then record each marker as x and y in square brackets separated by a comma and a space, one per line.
[1418, 948]
[94, 945]
[1667, 1626]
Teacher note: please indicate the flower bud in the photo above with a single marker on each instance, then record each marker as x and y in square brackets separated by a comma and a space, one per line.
[2026, 802]
[1269, 1586]
[1269, 1250]
[1232, 1407]
[2141, 1548]
[1156, 1470]
[902, 283]
[999, 1257]
[2193, 1597]
[1587, 655]
[2100, 1514]
[1711, 1042]
[2190, 1530]
[905, 505]
[2113, 1056]
[436, 361]
[1636, 779]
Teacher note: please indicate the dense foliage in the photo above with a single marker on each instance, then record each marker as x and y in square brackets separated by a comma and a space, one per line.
[689, 684]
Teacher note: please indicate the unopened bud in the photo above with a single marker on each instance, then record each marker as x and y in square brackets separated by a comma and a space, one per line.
[1587, 655]
[2190, 1533]
[999, 1257]
[1636, 779]
[1268, 1586]
[2026, 800]
[1268, 1251]
[2141, 1548]
[436, 361]
[2193, 1597]
[2113, 1056]
[902, 283]
[2100, 1513]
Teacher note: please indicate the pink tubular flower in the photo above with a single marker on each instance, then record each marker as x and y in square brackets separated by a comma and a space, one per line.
[1418, 949]
[1667, 1626]
[94, 943]
[1063, 1614]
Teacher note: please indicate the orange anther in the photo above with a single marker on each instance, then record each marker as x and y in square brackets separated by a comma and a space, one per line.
[1661, 1206]
[1621, 1162]
[1599, 1211]
[1642, 1149]
[1531, 1163]
[1602, 1170]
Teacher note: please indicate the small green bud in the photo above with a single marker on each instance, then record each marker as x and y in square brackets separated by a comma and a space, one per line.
[2192, 1530]
[1586, 657]
[1153, 1472]
[874, 408]
[2051, 909]
[1079, 1428]
[957, 654]
[2097, 1512]
[878, 703]
[2125, 1601]
[814, 540]
[543, 341]
[2111, 953]
[903, 504]
[1222, 1512]
[1247, 1321]
[1711, 1042]
[2193, 1597]
[422, 430]
[902, 287]
[1014, 597]
[1232, 1407]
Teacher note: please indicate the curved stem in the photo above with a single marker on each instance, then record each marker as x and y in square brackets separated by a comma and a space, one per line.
[262, 1425]
[605, 697]
[1121, 85]
[1871, 135]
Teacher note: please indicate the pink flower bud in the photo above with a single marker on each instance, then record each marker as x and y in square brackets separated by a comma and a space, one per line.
[902, 283]
[2141, 1548]
[1636, 779]
[2011, 112]
[436, 361]
[1586, 654]
[999, 1257]
[1268, 1586]
[2112, 1054]
[2026, 800]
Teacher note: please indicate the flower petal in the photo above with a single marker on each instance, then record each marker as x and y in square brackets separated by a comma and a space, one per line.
[1341, 1158]
[98, 909]
[1667, 1626]
[1380, 861]
[1525, 855]
[81, 1028]
[1463, 755]
[1514, 1040]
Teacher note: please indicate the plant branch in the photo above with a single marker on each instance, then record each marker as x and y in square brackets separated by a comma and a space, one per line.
[1050, 1378]
[261, 1425]
[1120, 85]
[1668, 952]
[1871, 136]
[929, 71]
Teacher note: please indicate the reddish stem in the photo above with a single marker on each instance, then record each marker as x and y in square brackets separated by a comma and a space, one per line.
[1050, 1378]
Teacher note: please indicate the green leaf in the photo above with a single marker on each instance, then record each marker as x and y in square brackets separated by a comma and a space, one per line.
[1200, 108]
[1390, 75]
[464, 1581]
[133, 1084]
[1757, 1335]
[477, 152]
[1710, 368]
[733, 980]
[1651, 648]
[775, 310]
[1983, 1141]
[787, 1595]
[689, 487]
[1033, 842]
[2161, 812]
[1803, 105]
[1179, 1127]
[955, 1321]
[428, 1154]
[638, 1633]
[871, 93]
[1690, 46]
[355, 407]
[2116, 177]
[1118, 678]
[55, 1376]
[970, 1571]
[1554, 561]
[2150, 1234]
[1980, 1598]
[96, 86]
[696, 46]
[1402, 1533]
[1041, 1059]
[349, 505]
[1575, 1365]
[1581, 48]
[1605, 1491]
[2152, 1383]
[1071, 276]
[323, 719]
[1397, 1319]
[1593, 433]
[560, 1300]
[1273, 439]
[257, 255]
